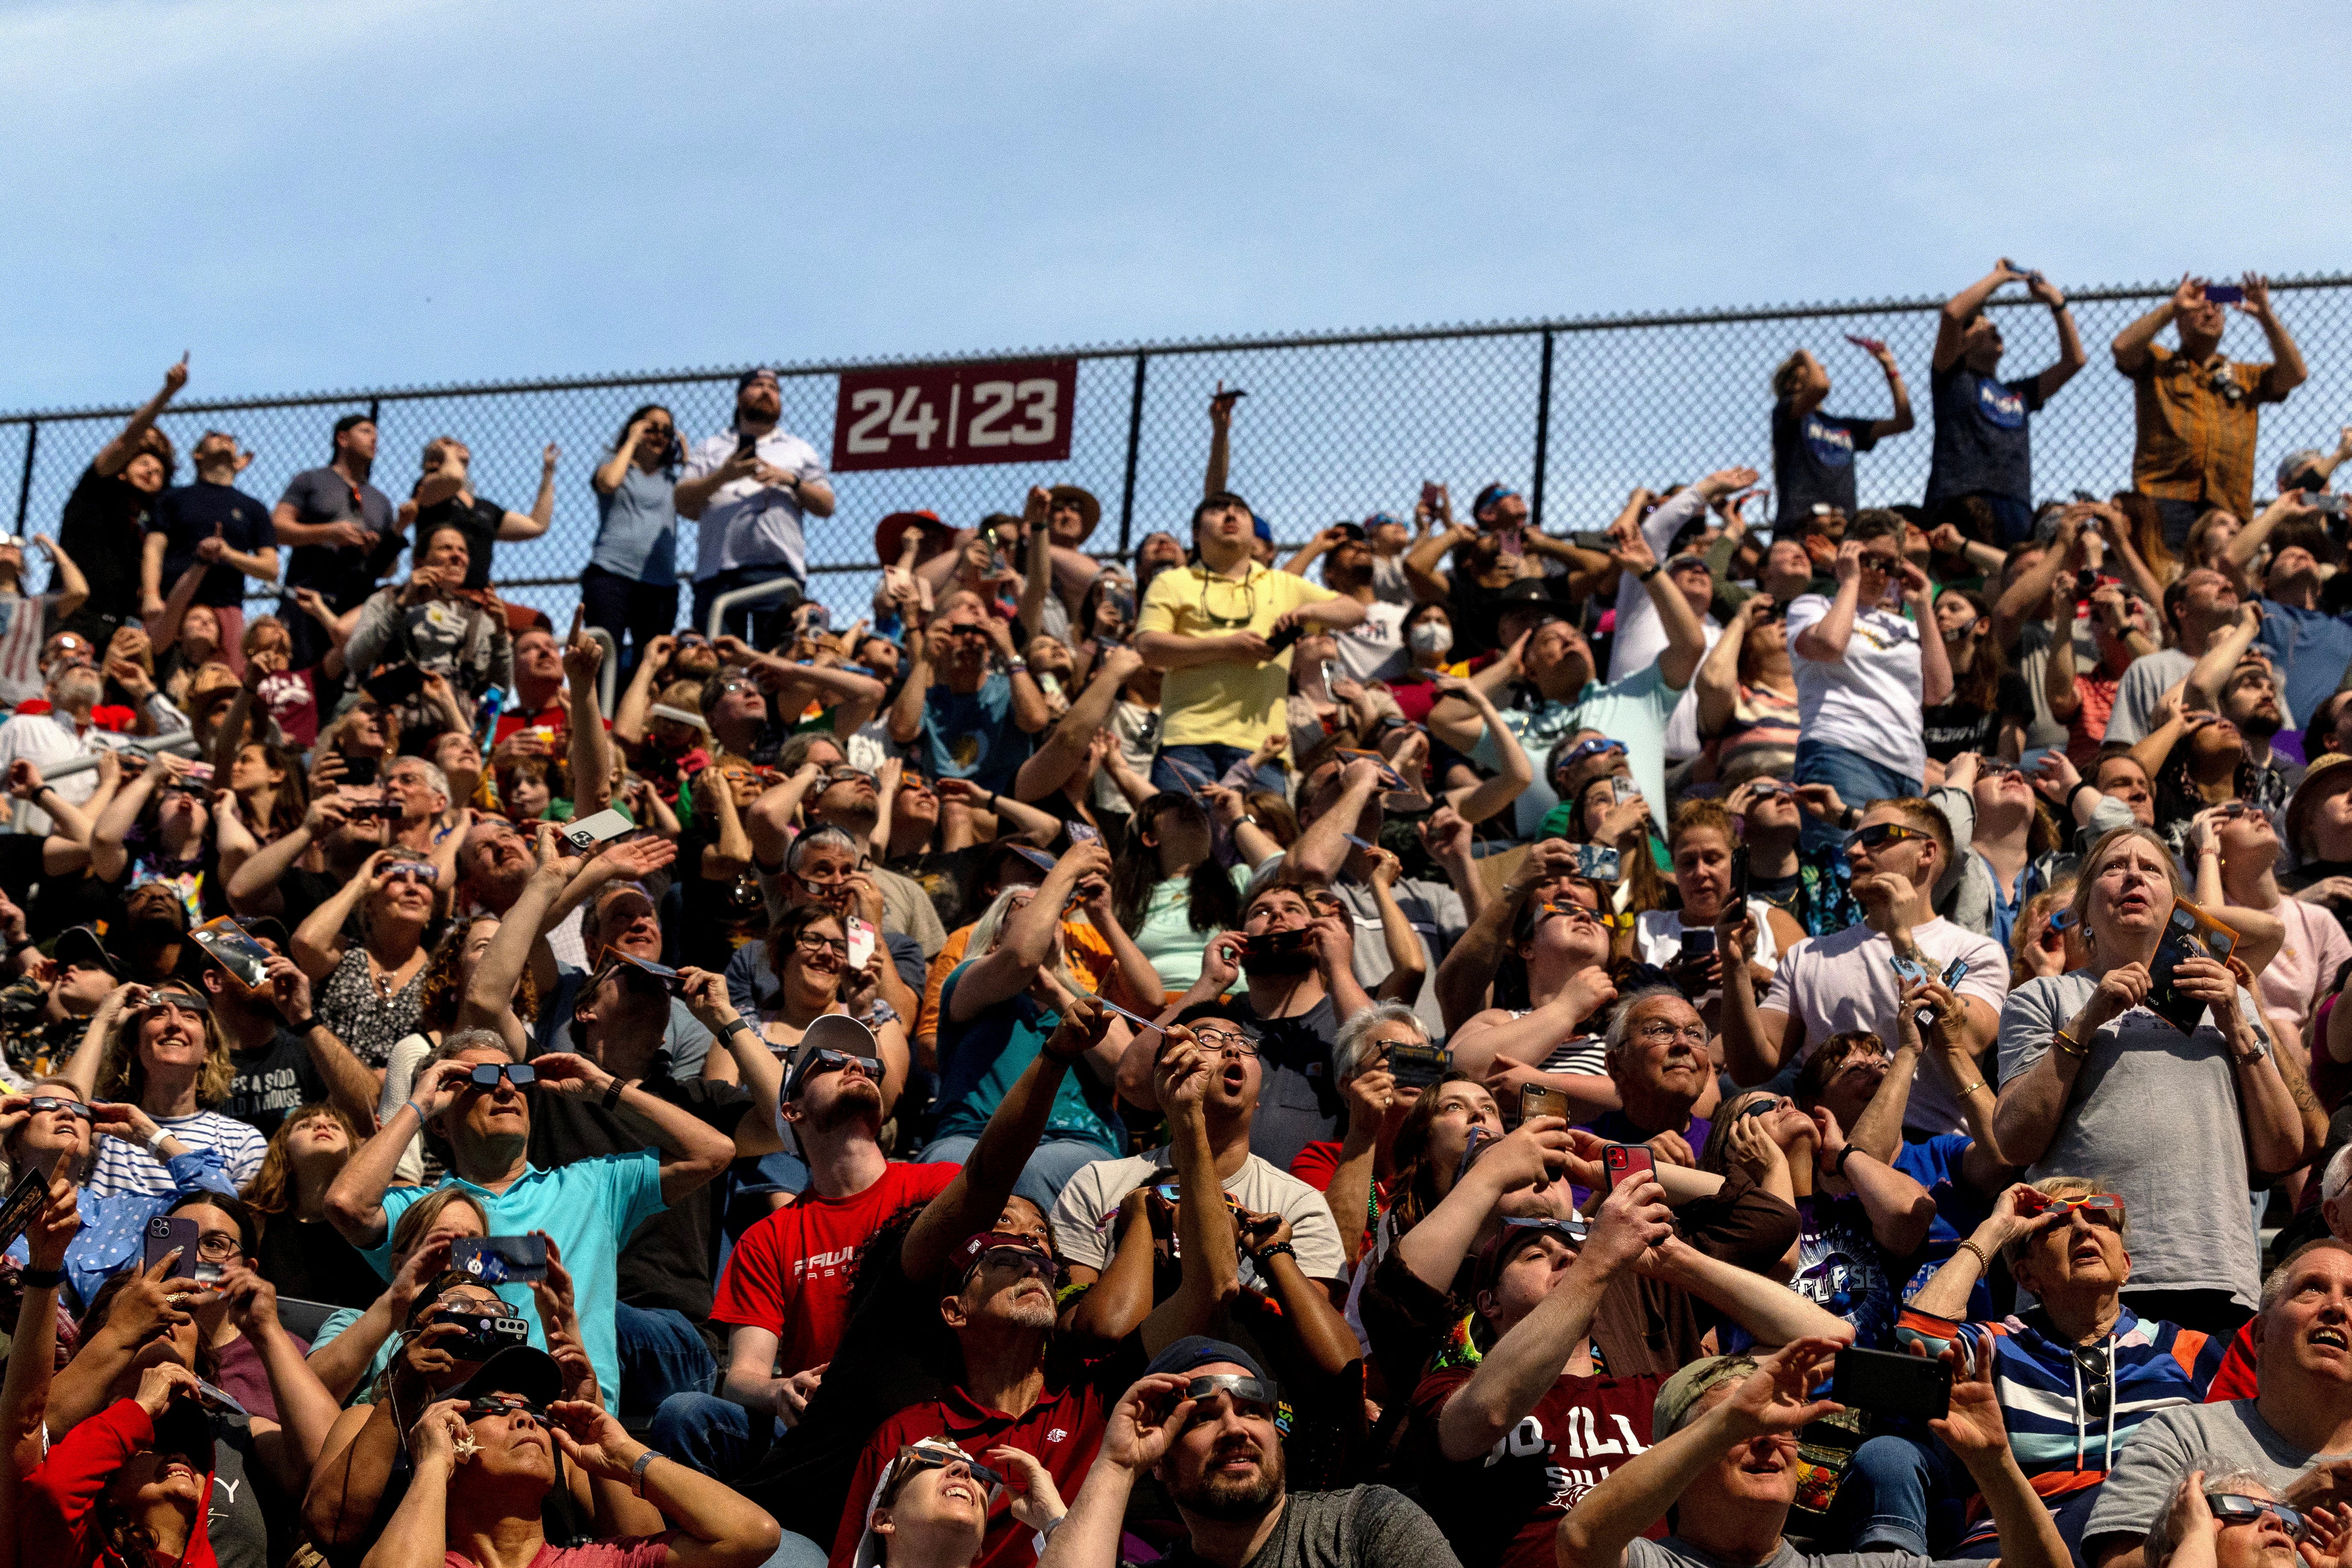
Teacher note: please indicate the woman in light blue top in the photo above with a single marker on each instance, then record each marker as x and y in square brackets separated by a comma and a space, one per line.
[630, 587]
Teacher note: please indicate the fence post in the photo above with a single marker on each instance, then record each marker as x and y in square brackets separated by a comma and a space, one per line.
[1543, 436]
[1134, 436]
[25, 482]
[373, 404]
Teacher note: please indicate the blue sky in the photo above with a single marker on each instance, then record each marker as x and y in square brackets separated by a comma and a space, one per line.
[399, 191]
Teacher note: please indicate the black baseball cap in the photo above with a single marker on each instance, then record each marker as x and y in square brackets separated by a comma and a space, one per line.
[81, 944]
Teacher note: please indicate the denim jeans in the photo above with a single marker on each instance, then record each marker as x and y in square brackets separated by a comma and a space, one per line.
[762, 626]
[1894, 1476]
[661, 1354]
[632, 611]
[1858, 781]
[1049, 1169]
[710, 1434]
[1207, 766]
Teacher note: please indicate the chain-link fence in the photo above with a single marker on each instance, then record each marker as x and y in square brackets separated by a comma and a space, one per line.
[1576, 412]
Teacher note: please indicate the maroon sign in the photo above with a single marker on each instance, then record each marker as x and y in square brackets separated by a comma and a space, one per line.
[946, 415]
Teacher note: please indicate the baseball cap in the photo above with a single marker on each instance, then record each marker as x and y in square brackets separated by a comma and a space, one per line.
[1681, 1392]
[1200, 1349]
[754, 373]
[81, 944]
[1493, 495]
[829, 1032]
[1527, 591]
[1265, 529]
[2295, 466]
[1505, 1245]
[524, 1369]
[1378, 518]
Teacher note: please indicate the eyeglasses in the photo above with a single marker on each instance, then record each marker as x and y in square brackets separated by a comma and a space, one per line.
[220, 1246]
[486, 1075]
[1572, 1232]
[692, 639]
[2230, 1508]
[1878, 836]
[1594, 748]
[1567, 913]
[914, 1457]
[820, 1061]
[1225, 1042]
[41, 1102]
[843, 773]
[1250, 1397]
[1228, 623]
[731, 685]
[196, 1009]
[2100, 1208]
[1658, 1032]
[419, 871]
[809, 941]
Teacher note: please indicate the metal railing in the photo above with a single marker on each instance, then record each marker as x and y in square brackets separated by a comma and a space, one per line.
[1575, 411]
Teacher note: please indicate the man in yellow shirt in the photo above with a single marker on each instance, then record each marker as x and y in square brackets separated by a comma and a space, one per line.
[1216, 627]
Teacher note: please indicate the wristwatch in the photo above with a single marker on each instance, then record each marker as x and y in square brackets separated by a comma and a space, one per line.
[613, 1095]
[1655, 567]
[1017, 666]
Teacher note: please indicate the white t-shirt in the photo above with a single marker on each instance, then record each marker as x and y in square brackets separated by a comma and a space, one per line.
[1847, 980]
[1641, 637]
[1375, 648]
[1087, 1212]
[1682, 726]
[1868, 702]
[745, 522]
[1658, 936]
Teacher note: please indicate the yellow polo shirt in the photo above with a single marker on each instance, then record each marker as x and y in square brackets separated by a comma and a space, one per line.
[1224, 704]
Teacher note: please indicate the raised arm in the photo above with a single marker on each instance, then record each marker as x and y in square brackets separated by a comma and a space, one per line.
[1424, 570]
[1882, 428]
[515, 526]
[1221, 437]
[1051, 765]
[2211, 671]
[318, 939]
[1824, 641]
[2070, 357]
[590, 748]
[1964, 307]
[1718, 673]
[1514, 776]
[2248, 541]
[2288, 370]
[116, 455]
[2131, 345]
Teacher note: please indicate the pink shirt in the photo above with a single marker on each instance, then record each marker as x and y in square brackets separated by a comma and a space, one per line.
[627, 1551]
[2315, 948]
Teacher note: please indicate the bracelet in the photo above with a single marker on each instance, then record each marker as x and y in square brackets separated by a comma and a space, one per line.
[155, 1145]
[1837, 1166]
[41, 1279]
[613, 1095]
[637, 1470]
[2069, 1046]
[304, 1026]
[1279, 1249]
[1984, 1264]
[1017, 666]
[1971, 1089]
[740, 1025]
[2077, 790]
[1653, 571]
[991, 800]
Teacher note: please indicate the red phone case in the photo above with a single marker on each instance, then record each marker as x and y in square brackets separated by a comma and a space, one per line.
[1621, 1159]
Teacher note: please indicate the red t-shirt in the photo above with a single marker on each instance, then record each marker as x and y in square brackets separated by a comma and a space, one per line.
[1062, 1429]
[2235, 1380]
[555, 716]
[1504, 1506]
[790, 1274]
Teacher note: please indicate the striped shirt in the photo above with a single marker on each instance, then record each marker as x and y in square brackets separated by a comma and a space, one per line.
[2067, 1436]
[22, 620]
[128, 1168]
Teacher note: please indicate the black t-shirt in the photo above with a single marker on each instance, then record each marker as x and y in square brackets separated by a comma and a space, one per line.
[1952, 728]
[719, 915]
[1982, 443]
[478, 520]
[671, 1259]
[1812, 461]
[1298, 1095]
[272, 1083]
[950, 878]
[342, 574]
[105, 519]
[310, 1261]
[186, 517]
[1477, 611]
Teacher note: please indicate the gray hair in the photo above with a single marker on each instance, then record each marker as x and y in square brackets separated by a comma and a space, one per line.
[433, 773]
[1614, 1040]
[2161, 1540]
[459, 1041]
[826, 833]
[1355, 1034]
[991, 921]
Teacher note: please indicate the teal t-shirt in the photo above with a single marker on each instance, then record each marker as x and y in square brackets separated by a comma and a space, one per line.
[1165, 932]
[589, 1208]
[981, 1061]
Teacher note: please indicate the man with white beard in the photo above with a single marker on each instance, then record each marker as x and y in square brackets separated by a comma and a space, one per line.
[70, 679]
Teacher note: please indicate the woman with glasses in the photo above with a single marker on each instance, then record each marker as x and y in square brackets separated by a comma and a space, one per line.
[1701, 842]
[298, 1251]
[931, 1507]
[2015, 847]
[1747, 694]
[228, 1235]
[2183, 1112]
[808, 951]
[162, 1050]
[369, 991]
[2080, 1370]
[1557, 965]
[354, 1345]
[630, 586]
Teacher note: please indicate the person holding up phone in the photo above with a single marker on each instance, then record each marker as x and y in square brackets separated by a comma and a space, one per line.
[1983, 450]
[1812, 452]
[437, 624]
[1725, 1459]
[753, 486]
[2196, 410]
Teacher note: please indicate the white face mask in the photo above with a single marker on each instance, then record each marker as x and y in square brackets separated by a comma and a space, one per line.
[1432, 637]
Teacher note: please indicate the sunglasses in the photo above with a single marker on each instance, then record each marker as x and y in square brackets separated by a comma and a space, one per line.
[820, 1061]
[178, 1002]
[483, 1404]
[644, 971]
[1584, 748]
[1251, 1398]
[419, 871]
[2106, 1208]
[1567, 913]
[2230, 1508]
[692, 639]
[1572, 1232]
[41, 1102]
[1878, 836]
[486, 1075]
[1024, 1258]
[917, 1457]
[843, 774]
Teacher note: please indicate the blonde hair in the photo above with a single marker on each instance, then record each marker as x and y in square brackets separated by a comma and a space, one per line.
[2087, 874]
[991, 921]
[122, 1075]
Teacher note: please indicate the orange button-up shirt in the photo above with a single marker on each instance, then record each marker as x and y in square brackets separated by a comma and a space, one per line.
[2196, 428]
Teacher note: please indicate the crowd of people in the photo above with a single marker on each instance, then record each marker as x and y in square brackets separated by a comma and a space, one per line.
[1762, 1030]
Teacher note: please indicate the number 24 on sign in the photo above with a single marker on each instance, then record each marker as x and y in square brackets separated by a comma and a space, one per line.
[999, 412]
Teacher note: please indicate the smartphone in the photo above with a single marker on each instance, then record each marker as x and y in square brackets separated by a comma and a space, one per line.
[2225, 293]
[166, 1233]
[1281, 640]
[197, 773]
[1740, 877]
[1418, 1067]
[394, 684]
[1620, 789]
[359, 772]
[1698, 944]
[2189, 933]
[24, 1200]
[1601, 864]
[1082, 832]
[1954, 972]
[498, 1260]
[861, 942]
[1886, 1383]
[1627, 1162]
[1543, 1099]
[483, 1334]
[1330, 671]
[591, 833]
[2087, 498]
[745, 445]
[1430, 494]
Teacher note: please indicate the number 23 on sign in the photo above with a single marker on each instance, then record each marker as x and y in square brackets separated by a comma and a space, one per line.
[924, 417]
